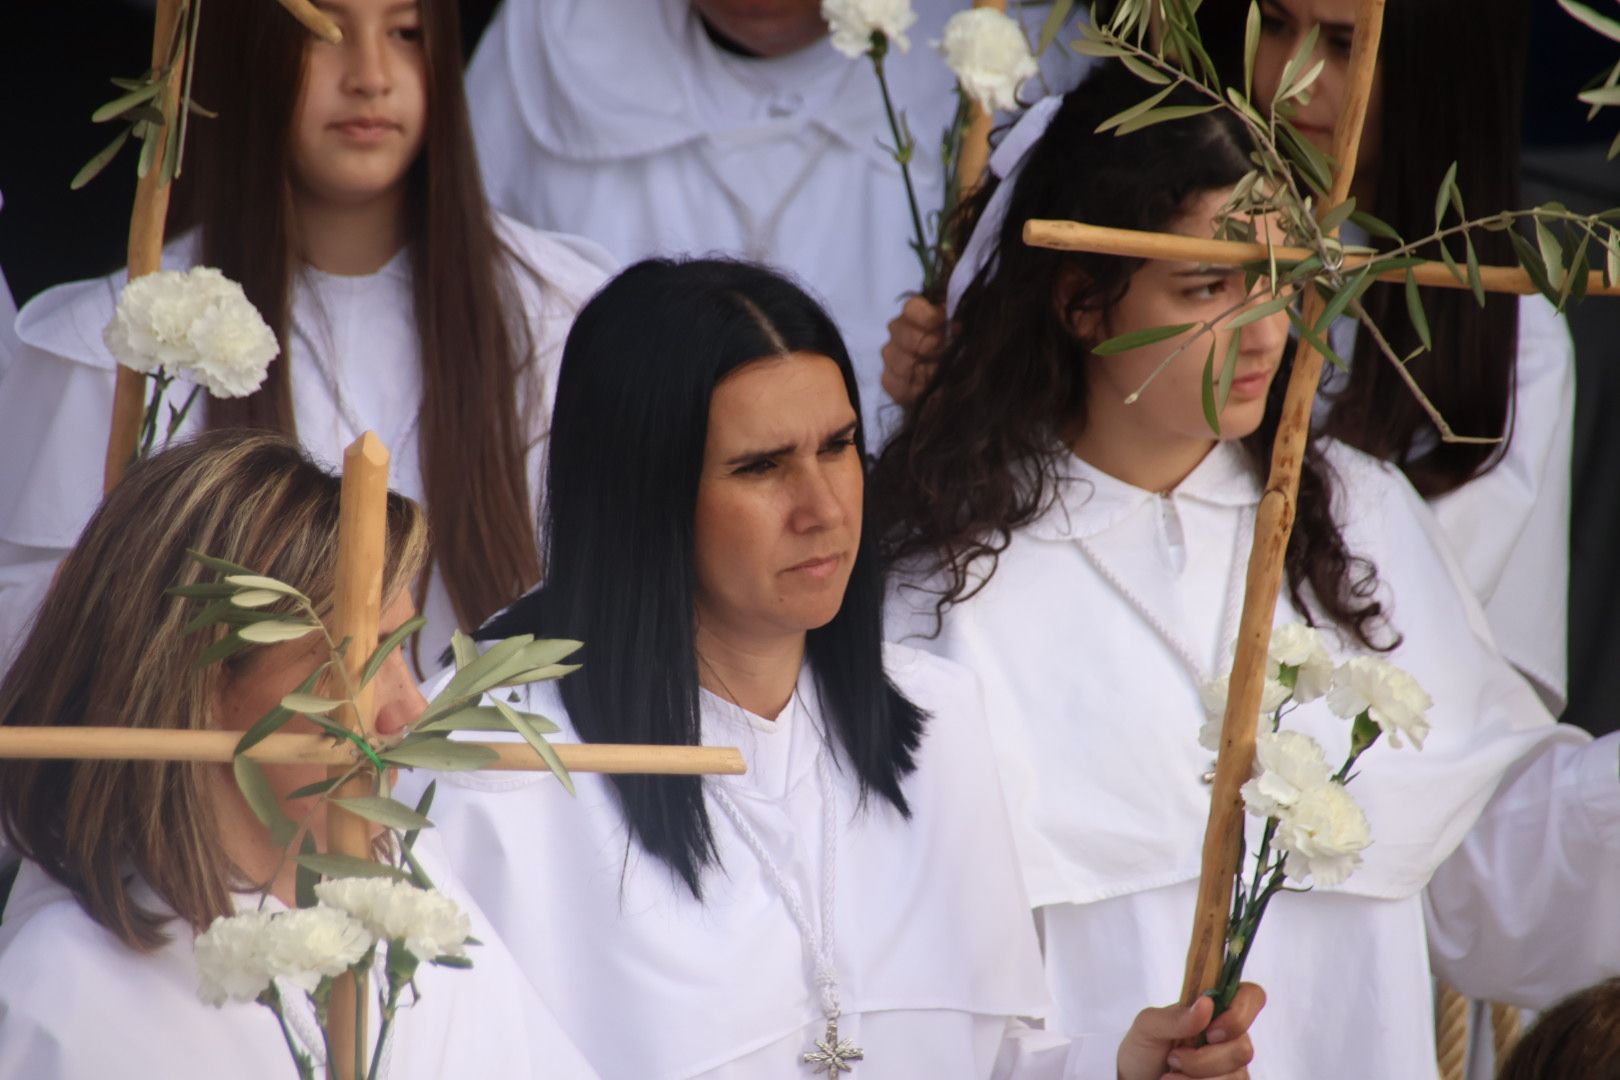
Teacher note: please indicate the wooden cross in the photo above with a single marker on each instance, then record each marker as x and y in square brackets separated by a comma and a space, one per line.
[362, 540]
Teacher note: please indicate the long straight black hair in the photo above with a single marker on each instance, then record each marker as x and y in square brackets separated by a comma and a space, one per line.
[627, 441]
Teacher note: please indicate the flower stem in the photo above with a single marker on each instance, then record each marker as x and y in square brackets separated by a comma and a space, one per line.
[903, 148]
[394, 987]
[178, 418]
[306, 1068]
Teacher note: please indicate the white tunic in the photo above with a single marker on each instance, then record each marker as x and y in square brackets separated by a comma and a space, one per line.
[935, 950]
[355, 366]
[1509, 528]
[1095, 719]
[77, 1004]
[622, 121]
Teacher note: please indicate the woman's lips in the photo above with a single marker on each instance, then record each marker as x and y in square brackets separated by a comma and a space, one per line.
[817, 568]
[1252, 385]
[365, 129]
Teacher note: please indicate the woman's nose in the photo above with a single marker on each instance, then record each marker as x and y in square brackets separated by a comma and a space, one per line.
[399, 700]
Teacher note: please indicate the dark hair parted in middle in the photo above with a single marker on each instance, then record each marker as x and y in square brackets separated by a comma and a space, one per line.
[981, 451]
[627, 445]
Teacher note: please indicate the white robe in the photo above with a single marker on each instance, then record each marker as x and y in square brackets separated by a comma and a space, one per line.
[935, 950]
[1509, 528]
[354, 356]
[77, 1004]
[1095, 720]
[622, 121]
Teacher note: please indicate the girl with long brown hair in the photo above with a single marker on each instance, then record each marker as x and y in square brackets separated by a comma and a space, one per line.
[339, 186]
[1083, 549]
[126, 861]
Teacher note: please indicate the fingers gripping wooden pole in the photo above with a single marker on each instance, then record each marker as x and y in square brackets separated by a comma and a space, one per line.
[362, 542]
[145, 246]
[1273, 524]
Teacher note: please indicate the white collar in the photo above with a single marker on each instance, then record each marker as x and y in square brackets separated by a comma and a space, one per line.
[1089, 501]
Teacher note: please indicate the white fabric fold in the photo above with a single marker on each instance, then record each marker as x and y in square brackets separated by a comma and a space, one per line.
[935, 948]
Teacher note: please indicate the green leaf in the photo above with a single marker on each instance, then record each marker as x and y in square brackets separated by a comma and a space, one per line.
[306, 879]
[1251, 45]
[1305, 81]
[223, 649]
[1296, 64]
[203, 590]
[1313, 166]
[1212, 414]
[1242, 104]
[463, 647]
[212, 613]
[1315, 341]
[149, 145]
[125, 102]
[277, 630]
[1259, 311]
[441, 754]
[1135, 110]
[1604, 25]
[256, 598]
[273, 721]
[1552, 254]
[1414, 311]
[422, 806]
[1530, 259]
[1611, 248]
[1056, 16]
[380, 655]
[1336, 216]
[104, 156]
[448, 960]
[309, 704]
[385, 811]
[541, 747]
[483, 718]
[1145, 72]
[319, 787]
[1443, 196]
[1086, 46]
[1223, 390]
[540, 674]
[342, 866]
[261, 798]
[1136, 339]
[270, 584]
[217, 565]
[1159, 116]
[1614, 148]
[1574, 286]
[1375, 226]
[1342, 299]
[1474, 281]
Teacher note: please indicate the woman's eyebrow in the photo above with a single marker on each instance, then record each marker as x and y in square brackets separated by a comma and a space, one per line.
[755, 455]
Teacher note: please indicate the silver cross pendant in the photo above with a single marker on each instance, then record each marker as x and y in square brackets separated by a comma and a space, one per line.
[833, 1055]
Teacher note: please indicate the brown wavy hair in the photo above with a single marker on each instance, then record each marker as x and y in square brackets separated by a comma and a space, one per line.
[108, 650]
[237, 189]
[980, 452]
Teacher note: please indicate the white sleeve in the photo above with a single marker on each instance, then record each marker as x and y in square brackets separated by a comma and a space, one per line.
[1032, 1053]
[1509, 528]
[1524, 910]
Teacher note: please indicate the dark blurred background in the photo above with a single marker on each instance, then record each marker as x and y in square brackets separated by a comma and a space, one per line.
[56, 57]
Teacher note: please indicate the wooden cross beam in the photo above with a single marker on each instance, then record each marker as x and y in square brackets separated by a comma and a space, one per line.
[362, 543]
[1131, 243]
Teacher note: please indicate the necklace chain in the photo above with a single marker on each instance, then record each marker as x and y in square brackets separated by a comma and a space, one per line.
[832, 1053]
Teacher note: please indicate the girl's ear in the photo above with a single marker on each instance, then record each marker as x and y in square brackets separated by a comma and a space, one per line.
[1084, 323]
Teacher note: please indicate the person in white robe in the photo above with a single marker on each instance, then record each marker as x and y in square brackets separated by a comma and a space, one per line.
[1099, 613]
[351, 351]
[126, 861]
[628, 122]
[855, 895]
[380, 123]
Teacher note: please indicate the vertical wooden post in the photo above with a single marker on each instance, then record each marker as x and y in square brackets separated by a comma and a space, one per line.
[1273, 523]
[975, 156]
[362, 544]
[146, 243]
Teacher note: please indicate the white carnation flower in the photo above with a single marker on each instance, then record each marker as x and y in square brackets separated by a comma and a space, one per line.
[231, 958]
[305, 945]
[1273, 696]
[989, 55]
[1394, 699]
[1299, 646]
[1288, 765]
[1323, 835]
[851, 23]
[429, 923]
[195, 324]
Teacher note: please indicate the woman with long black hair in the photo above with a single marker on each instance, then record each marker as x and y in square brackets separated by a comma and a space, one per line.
[855, 897]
